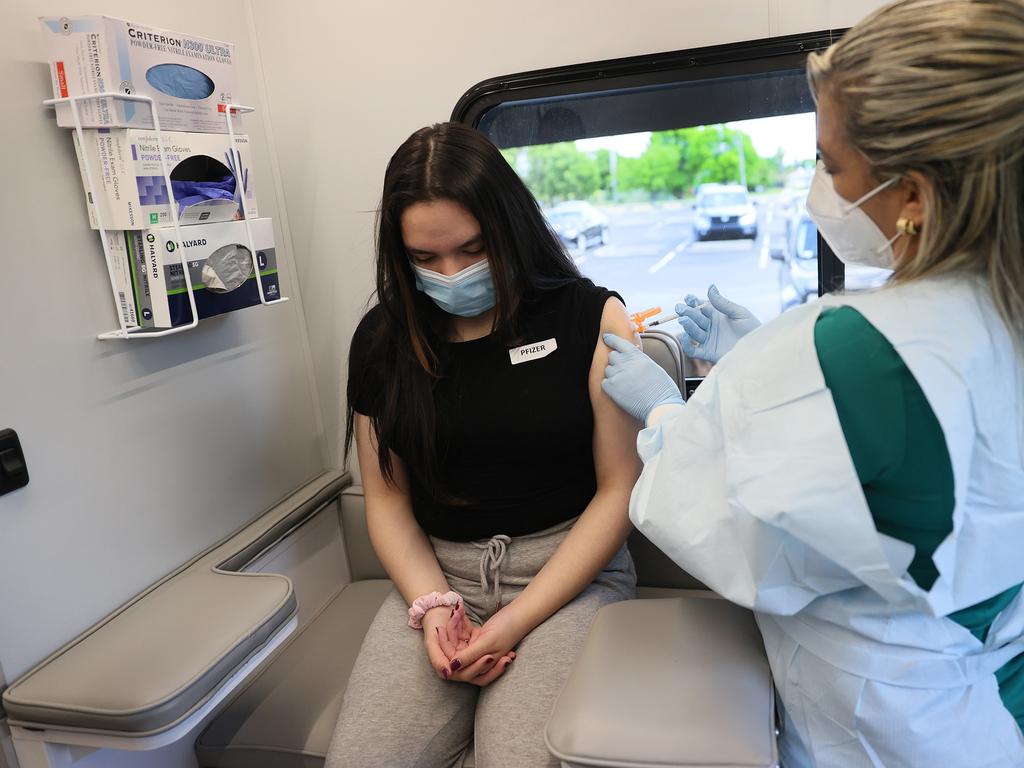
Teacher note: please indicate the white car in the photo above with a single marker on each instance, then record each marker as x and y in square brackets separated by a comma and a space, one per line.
[724, 211]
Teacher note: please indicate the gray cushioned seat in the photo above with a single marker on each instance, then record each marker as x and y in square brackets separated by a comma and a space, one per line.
[694, 689]
[285, 718]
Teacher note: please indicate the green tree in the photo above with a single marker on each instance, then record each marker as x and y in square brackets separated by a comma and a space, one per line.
[559, 172]
[510, 155]
[710, 154]
[674, 163]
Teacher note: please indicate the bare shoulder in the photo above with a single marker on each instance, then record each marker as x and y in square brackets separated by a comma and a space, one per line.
[615, 319]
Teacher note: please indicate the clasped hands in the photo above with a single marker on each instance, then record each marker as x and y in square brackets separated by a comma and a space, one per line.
[462, 651]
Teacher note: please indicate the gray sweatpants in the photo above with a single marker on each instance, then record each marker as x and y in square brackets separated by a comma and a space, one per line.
[398, 712]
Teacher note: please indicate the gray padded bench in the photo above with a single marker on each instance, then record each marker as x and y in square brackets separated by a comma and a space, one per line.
[157, 661]
[696, 691]
[284, 719]
[286, 716]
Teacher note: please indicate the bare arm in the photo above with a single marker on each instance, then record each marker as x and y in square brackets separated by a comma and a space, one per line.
[604, 524]
[409, 559]
[397, 538]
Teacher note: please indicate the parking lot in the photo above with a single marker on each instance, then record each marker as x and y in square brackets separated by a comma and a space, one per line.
[652, 258]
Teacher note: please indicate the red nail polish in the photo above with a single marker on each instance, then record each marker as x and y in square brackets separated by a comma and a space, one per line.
[446, 673]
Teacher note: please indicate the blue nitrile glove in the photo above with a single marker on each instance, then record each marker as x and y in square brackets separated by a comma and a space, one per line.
[636, 383]
[180, 81]
[712, 329]
[191, 192]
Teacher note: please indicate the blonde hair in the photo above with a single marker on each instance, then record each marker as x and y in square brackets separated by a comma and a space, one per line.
[937, 87]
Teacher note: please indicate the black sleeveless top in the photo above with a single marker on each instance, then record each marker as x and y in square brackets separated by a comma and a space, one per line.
[517, 453]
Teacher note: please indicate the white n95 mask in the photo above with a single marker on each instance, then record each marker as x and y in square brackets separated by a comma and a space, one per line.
[849, 232]
[467, 293]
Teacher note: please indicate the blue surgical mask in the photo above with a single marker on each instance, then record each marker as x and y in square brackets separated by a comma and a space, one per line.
[467, 293]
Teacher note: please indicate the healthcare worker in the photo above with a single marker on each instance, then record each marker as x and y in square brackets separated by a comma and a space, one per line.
[854, 470]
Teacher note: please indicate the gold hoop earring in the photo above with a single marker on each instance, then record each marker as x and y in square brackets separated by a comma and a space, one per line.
[906, 227]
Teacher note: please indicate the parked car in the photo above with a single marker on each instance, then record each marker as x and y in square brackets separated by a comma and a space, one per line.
[794, 197]
[579, 224]
[798, 273]
[724, 211]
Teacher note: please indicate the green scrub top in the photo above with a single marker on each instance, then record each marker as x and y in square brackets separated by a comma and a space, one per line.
[899, 450]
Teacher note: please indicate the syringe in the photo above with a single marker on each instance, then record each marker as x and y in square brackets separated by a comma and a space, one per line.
[673, 316]
[640, 318]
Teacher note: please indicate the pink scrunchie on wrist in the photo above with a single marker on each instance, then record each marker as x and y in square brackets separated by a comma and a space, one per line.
[424, 603]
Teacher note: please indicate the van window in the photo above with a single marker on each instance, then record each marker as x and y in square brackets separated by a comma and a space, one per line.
[680, 170]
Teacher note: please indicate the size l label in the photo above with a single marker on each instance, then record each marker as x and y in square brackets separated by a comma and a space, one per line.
[534, 351]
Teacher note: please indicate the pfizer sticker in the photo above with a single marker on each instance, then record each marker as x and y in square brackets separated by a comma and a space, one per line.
[534, 351]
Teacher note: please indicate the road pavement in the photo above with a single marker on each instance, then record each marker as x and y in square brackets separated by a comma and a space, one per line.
[652, 258]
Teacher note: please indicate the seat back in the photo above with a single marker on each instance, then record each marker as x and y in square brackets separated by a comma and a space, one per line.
[362, 559]
[663, 348]
[653, 567]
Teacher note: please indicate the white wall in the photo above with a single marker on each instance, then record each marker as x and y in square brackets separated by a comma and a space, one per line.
[140, 453]
[348, 82]
[789, 17]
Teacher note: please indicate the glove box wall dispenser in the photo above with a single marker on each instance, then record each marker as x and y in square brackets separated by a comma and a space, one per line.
[151, 283]
[186, 314]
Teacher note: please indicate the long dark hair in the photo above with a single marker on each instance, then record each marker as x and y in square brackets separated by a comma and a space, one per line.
[452, 162]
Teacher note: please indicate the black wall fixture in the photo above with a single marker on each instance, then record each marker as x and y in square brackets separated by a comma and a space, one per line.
[13, 469]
